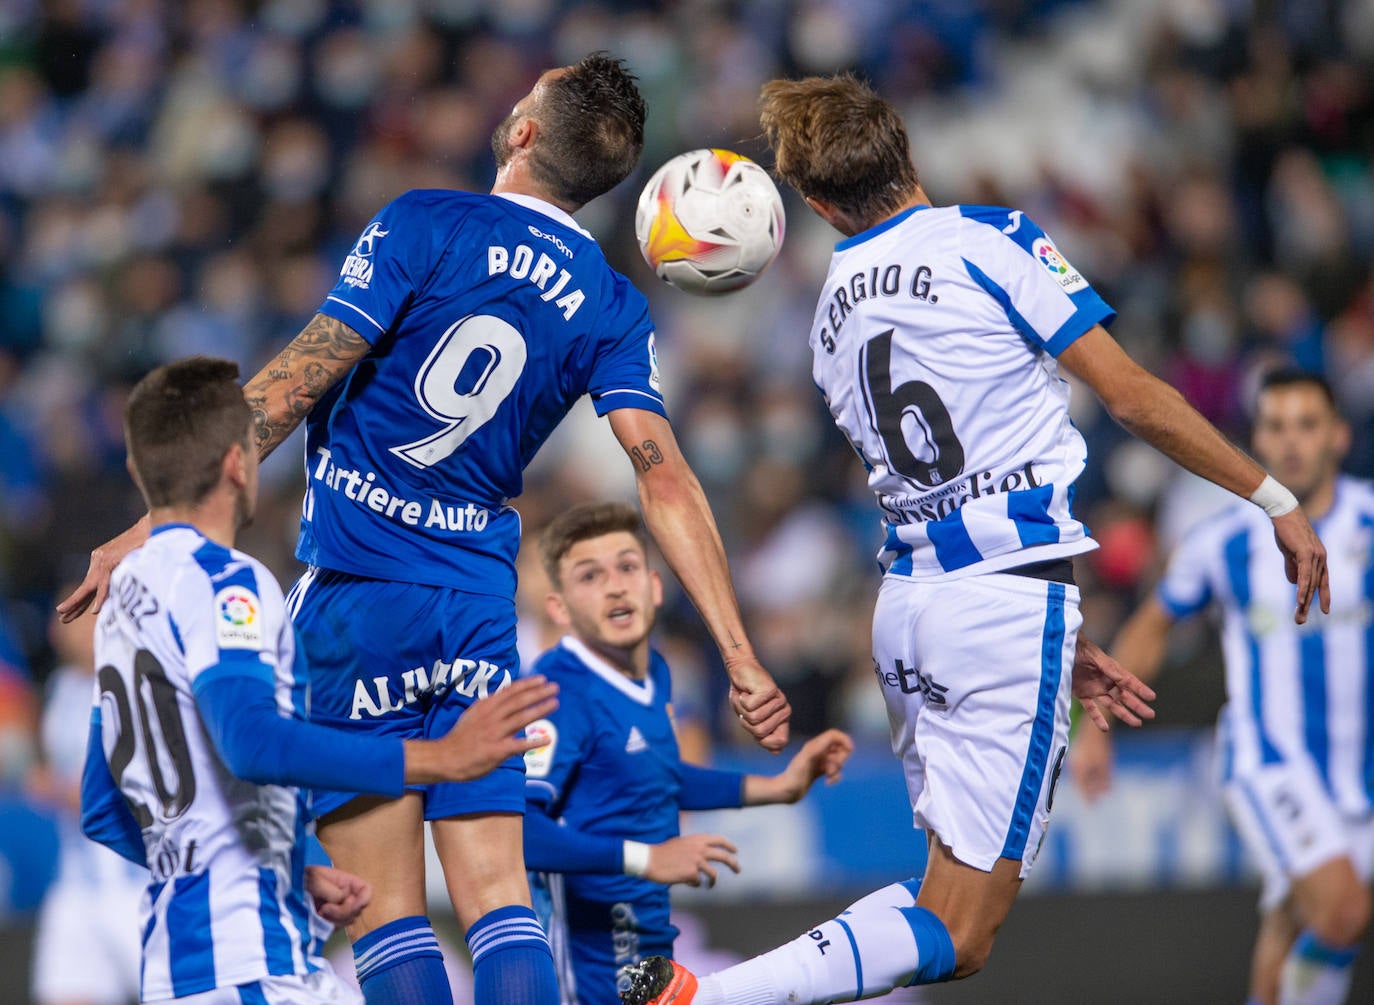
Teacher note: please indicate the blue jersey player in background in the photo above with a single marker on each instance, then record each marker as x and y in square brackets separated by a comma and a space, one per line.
[606, 789]
[197, 737]
[462, 329]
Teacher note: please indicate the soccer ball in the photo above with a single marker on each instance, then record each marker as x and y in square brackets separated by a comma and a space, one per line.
[709, 221]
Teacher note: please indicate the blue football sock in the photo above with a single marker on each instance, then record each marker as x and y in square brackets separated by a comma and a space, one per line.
[401, 963]
[511, 960]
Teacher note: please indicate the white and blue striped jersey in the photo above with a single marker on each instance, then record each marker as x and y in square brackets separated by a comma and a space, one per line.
[1293, 691]
[225, 902]
[934, 344]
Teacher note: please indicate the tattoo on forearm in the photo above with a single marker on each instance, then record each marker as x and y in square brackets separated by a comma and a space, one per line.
[646, 455]
[735, 643]
[288, 387]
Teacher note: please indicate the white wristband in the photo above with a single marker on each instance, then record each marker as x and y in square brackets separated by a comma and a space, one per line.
[636, 858]
[1273, 498]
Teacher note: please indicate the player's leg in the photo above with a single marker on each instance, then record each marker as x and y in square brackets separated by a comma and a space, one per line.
[1333, 905]
[375, 674]
[981, 664]
[1304, 848]
[395, 951]
[484, 869]
[1278, 930]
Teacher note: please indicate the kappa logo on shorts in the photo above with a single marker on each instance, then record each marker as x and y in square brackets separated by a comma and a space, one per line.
[912, 681]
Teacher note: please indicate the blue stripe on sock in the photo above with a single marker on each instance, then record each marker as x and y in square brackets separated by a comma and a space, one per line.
[503, 927]
[1042, 730]
[934, 948]
[858, 962]
[394, 943]
[1309, 947]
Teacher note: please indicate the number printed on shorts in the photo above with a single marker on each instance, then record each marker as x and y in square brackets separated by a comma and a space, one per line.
[153, 711]
[913, 423]
[489, 355]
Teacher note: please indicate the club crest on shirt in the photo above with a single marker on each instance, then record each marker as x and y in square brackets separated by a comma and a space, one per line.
[539, 761]
[1070, 279]
[238, 619]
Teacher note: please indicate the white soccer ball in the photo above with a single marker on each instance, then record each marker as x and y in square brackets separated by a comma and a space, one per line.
[709, 221]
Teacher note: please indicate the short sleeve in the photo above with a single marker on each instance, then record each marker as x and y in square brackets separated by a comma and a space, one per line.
[1046, 299]
[1186, 587]
[221, 623]
[384, 269]
[625, 371]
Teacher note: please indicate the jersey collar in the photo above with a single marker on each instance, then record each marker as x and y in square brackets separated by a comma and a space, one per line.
[878, 228]
[643, 695]
[547, 208]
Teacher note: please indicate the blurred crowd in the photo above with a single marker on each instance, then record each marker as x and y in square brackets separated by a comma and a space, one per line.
[182, 177]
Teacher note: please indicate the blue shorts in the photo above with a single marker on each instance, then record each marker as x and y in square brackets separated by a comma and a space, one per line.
[400, 659]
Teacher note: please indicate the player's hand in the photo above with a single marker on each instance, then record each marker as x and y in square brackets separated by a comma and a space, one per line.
[759, 703]
[93, 590]
[820, 756]
[1304, 559]
[690, 859]
[1090, 762]
[1102, 685]
[489, 731]
[339, 896]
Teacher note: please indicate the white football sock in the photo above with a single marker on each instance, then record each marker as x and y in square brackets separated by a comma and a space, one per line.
[868, 950]
[1316, 974]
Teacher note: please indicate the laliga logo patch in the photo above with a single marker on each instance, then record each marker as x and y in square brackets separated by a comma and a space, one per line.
[238, 624]
[1070, 280]
[1049, 254]
[539, 761]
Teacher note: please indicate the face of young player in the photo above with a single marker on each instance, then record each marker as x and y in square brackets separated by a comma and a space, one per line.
[1299, 438]
[609, 597]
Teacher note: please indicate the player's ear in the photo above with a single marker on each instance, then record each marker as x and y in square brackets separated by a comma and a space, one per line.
[656, 587]
[557, 610]
[1342, 438]
[522, 134]
[235, 466]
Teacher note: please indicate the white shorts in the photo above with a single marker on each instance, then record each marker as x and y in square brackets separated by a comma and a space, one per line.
[320, 987]
[86, 945]
[977, 676]
[1290, 826]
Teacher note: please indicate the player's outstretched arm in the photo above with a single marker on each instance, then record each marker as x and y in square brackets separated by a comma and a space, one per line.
[280, 396]
[678, 516]
[820, 757]
[1157, 413]
[286, 389]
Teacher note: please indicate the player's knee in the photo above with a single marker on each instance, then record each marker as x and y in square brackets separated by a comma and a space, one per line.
[971, 952]
[1344, 920]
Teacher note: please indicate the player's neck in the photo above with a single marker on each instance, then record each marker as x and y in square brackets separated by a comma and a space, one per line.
[215, 518]
[632, 662]
[1317, 503]
[515, 179]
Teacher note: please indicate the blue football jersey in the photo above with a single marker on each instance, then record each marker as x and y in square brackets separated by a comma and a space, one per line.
[611, 767]
[488, 317]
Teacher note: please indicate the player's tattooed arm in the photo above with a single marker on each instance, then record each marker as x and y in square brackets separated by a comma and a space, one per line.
[646, 455]
[287, 388]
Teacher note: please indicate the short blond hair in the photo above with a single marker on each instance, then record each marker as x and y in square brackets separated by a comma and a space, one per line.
[835, 140]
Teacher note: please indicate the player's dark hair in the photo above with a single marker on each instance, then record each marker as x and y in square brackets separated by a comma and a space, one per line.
[1292, 377]
[179, 422]
[835, 140]
[582, 523]
[592, 129]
